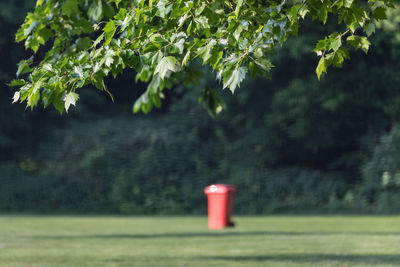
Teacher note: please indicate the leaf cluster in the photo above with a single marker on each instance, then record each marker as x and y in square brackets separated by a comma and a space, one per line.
[84, 41]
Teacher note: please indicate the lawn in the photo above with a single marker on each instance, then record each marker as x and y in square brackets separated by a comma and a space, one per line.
[186, 241]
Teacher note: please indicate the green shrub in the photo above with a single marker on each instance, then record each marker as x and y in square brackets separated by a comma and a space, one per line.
[381, 186]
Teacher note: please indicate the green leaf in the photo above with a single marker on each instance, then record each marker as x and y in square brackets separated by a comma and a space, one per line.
[205, 51]
[33, 99]
[109, 31]
[122, 14]
[164, 8]
[336, 43]
[294, 11]
[17, 82]
[264, 63]
[202, 22]
[20, 35]
[215, 58]
[321, 67]
[258, 53]
[238, 31]
[180, 45]
[95, 11]
[182, 20]
[70, 7]
[166, 64]
[339, 56]
[39, 3]
[321, 45]
[70, 99]
[83, 44]
[323, 14]
[348, 3]
[232, 79]
[155, 98]
[32, 42]
[154, 85]
[58, 104]
[109, 61]
[238, 6]
[213, 101]
[379, 13]
[136, 106]
[23, 67]
[116, 2]
[16, 97]
[186, 58]
[130, 59]
[359, 42]
[45, 34]
[98, 40]
[252, 69]
[189, 29]
[200, 9]
[137, 16]
[369, 29]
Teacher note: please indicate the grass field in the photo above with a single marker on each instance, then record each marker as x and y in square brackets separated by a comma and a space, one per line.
[186, 241]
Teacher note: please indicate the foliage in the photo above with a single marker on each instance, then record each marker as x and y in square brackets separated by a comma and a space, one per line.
[382, 173]
[153, 169]
[84, 41]
[145, 169]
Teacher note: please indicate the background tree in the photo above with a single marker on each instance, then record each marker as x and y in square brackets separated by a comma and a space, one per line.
[291, 143]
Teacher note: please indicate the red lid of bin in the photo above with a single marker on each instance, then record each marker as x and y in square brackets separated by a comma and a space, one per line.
[219, 189]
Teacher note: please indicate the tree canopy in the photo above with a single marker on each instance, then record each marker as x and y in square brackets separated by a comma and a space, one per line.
[80, 42]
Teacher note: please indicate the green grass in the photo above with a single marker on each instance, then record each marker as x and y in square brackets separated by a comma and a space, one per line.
[186, 241]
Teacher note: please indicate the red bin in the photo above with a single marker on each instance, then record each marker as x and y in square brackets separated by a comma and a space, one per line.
[220, 204]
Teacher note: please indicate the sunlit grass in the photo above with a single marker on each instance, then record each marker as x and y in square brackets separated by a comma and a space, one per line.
[186, 241]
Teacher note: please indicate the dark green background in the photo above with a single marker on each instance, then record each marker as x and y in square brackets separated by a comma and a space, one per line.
[290, 144]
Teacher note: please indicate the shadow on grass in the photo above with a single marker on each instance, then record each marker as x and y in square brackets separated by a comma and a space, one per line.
[312, 258]
[212, 234]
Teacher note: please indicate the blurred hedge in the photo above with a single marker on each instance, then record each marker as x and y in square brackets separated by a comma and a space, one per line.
[131, 166]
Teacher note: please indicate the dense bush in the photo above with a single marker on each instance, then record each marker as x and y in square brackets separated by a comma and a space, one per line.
[381, 184]
[136, 166]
